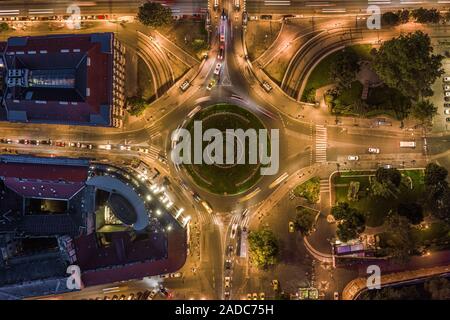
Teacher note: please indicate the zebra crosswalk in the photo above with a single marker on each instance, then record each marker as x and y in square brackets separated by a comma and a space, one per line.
[321, 143]
[324, 185]
[153, 152]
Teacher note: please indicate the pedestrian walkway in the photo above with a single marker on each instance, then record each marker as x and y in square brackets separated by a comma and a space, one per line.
[321, 143]
[324, 185]
[153, 153]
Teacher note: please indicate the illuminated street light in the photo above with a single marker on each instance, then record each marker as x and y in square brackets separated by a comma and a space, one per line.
[180, 211]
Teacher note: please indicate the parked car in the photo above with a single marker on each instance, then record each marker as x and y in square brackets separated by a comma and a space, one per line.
[447, 119]
[262, 296]
[185, 85]
[336, 295]
[447, 79]
[446, 111]
[255, 296]
[266, 86]
[353, 158]
[291, 226]
[227, 282]
[374, 150]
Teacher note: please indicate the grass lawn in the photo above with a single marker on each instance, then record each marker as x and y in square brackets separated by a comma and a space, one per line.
[319, 77]
[189, 35]
[376, 208]
[310, 190]
[225, 179]
[386, 101]
[259, 36]
[145, 82]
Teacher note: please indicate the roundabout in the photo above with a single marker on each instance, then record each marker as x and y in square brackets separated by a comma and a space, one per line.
[228, 173]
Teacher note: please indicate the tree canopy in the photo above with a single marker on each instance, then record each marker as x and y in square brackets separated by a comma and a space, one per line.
[352, 222]
[343, 71]
[304, 220]
[263, 247]
[407, 64]
[154, 14]
[422, 15]
[423, 110]
[412, 211]
[390, 18]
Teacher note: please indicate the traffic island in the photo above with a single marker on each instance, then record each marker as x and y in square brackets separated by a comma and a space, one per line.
[238, 176]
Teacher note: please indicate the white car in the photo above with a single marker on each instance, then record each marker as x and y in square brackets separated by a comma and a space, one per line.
[447, 111]
[353, 158]
[447, 79]
[227, 282]
[374, 150]
[217, 69]
[447, 94]
[446, 87]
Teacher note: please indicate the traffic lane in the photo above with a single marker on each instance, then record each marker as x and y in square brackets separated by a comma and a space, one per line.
[341, 6]
[179, 7]
[387, 142]
[212, 258]
[438, 145]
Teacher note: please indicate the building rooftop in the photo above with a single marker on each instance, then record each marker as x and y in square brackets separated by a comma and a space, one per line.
[60, 78]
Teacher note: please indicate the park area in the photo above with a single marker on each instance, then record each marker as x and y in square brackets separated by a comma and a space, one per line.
[354, 188]
[226, 179]
[320, 76]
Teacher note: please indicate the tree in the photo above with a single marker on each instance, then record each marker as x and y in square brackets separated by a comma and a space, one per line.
[424, 110]
[263, 248]
[423, 15]
[136, 105]
[343, 71]
[352, 222]
[351, 228]
[435, 181]
[398, 241]
[154, 14]
[386, 181]
[412, 211]
[407, 64]
[4, 27]
[310, 190]
[391, 175]
[403, 15]
[304, 220]
[390, 19]
[435, 175]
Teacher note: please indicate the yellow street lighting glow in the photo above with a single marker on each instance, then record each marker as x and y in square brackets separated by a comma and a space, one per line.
[158, 212]
[180, 211]
[149, 197]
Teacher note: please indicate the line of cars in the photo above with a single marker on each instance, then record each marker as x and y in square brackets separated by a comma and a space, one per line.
[446, 87]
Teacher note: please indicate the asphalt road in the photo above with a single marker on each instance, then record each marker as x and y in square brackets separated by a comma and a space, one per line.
[238, 84]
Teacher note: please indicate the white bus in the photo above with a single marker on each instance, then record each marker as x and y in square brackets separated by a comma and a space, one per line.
[407, 144]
